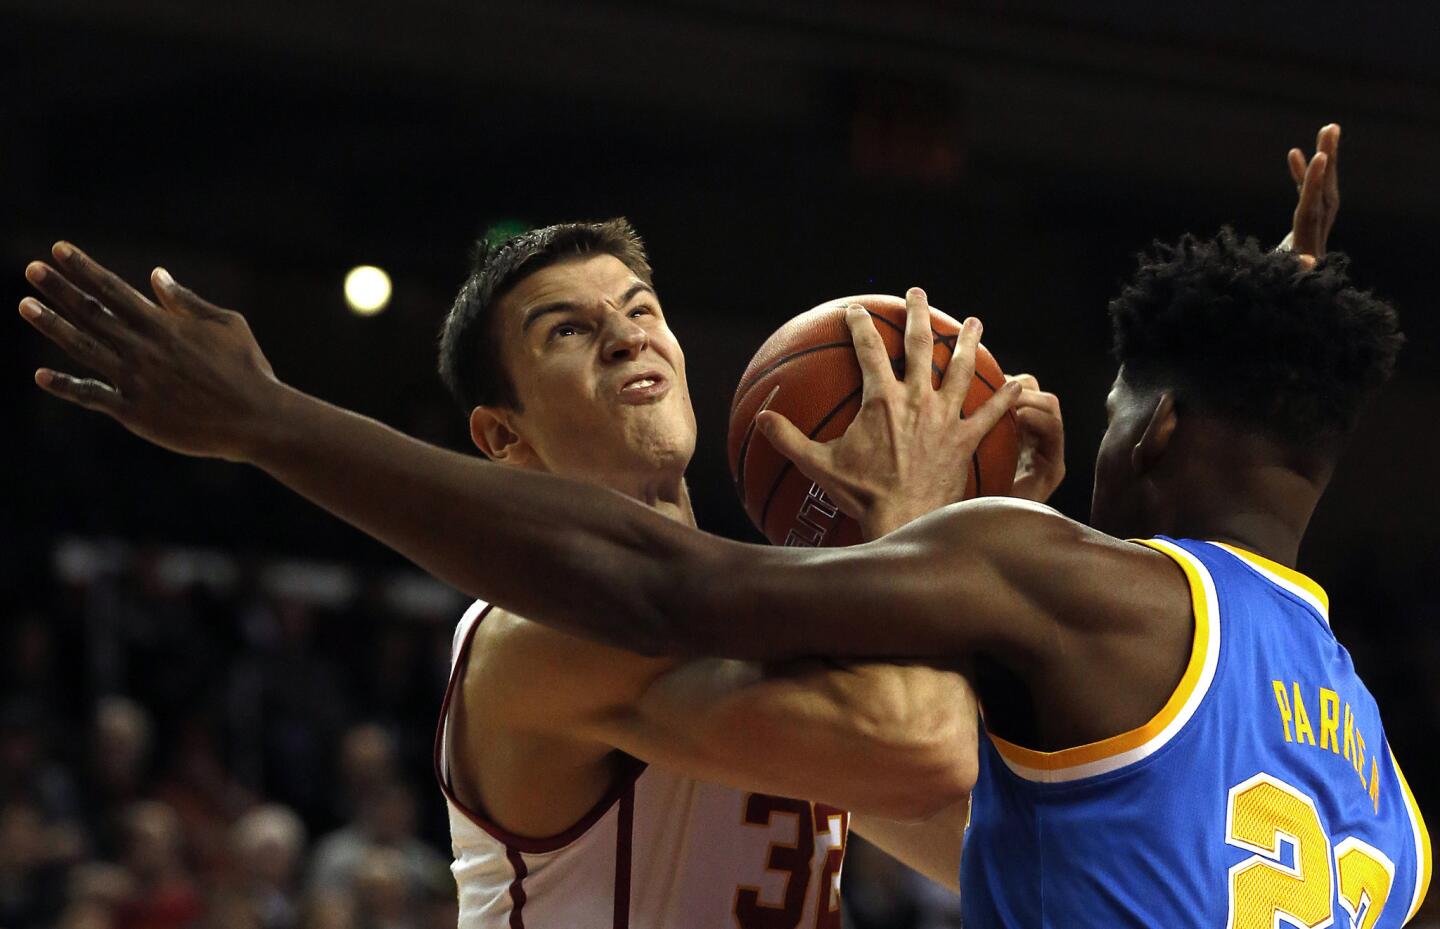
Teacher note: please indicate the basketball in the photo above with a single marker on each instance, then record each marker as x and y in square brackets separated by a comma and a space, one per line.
[812, 359]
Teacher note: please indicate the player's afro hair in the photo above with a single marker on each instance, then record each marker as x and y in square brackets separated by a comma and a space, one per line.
[470, 362]
[1247, 334]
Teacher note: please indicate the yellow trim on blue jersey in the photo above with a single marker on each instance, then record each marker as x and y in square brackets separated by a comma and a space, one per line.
[1285, 574]
[1422, 841]
[1199, 672]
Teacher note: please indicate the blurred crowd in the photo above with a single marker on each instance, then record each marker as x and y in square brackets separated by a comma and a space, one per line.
[173, 755]
[190, 740]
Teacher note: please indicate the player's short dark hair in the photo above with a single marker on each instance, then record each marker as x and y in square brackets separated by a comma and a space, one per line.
[470, 360]
[1248, 334]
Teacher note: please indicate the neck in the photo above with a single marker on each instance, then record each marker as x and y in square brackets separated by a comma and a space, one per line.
[1236, 487]
[1267, 534]
[662, 489]
[667, 494]
[669, 498]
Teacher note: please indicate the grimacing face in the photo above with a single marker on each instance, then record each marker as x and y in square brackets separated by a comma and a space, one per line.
[599, 375]
[1117, 501]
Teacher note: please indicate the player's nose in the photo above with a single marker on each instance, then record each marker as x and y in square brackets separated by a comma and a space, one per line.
[624, 339]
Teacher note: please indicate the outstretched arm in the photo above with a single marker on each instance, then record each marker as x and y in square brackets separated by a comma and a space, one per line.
[188, 375]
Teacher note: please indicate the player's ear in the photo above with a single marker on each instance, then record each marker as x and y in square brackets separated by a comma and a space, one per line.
[1156, 437]
[493, 432]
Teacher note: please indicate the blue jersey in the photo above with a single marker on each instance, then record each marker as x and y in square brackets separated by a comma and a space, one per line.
[1263, 794]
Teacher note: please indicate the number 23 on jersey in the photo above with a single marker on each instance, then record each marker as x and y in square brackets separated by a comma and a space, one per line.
[1262, 814]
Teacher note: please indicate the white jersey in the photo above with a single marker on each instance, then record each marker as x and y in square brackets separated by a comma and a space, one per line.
[659, 851]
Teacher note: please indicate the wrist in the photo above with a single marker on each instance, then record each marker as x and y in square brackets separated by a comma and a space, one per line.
[272, 425]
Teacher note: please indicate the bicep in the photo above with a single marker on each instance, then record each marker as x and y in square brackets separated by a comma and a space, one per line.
[532, 679]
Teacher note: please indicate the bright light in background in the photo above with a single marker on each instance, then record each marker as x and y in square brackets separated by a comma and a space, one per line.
[367, 290]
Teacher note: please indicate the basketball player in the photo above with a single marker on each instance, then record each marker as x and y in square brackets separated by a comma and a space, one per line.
[559, 351]
[1214, 774]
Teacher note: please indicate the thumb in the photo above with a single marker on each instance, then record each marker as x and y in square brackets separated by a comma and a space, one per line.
[790, 442]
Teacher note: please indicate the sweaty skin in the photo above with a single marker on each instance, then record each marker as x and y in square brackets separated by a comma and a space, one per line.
[891, 739]
[1052, 602]
[896, 740]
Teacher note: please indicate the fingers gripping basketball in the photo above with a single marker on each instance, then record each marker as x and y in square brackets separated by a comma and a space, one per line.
[809, 372]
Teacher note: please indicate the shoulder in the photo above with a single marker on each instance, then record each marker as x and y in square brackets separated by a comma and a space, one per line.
[1019, 534]
[1077, 575]
[476, 612]
[520, 670]
[996, 529]
[507, 639]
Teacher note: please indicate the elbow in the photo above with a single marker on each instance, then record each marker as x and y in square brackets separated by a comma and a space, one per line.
[945, 777]
[919, 799]
[941, 753]
[951, 786]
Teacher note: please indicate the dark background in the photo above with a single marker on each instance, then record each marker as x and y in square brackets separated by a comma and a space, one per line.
[1011, 157]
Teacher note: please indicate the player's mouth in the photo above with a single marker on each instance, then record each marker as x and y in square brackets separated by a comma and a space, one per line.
[644, 388]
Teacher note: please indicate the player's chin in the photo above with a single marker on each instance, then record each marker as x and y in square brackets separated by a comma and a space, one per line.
[663, 438]
[670, 411]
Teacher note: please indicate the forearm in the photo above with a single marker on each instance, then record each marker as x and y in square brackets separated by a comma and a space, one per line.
[890, 740]
[191, 378]
[587, 561]
[577, 557]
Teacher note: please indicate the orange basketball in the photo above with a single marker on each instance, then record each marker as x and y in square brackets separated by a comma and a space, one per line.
[813, 361]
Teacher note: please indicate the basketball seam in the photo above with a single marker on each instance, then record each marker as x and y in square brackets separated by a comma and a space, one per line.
[745, 388]
[744, 454]
[948, 341]
[775, 486]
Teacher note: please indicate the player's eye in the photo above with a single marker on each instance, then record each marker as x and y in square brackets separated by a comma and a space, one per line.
[564, 330]
[642, 311]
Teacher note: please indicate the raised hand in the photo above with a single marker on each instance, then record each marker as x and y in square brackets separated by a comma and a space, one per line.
[1041, 467]
[904, 454]
[1318, 182]
[180, 372]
